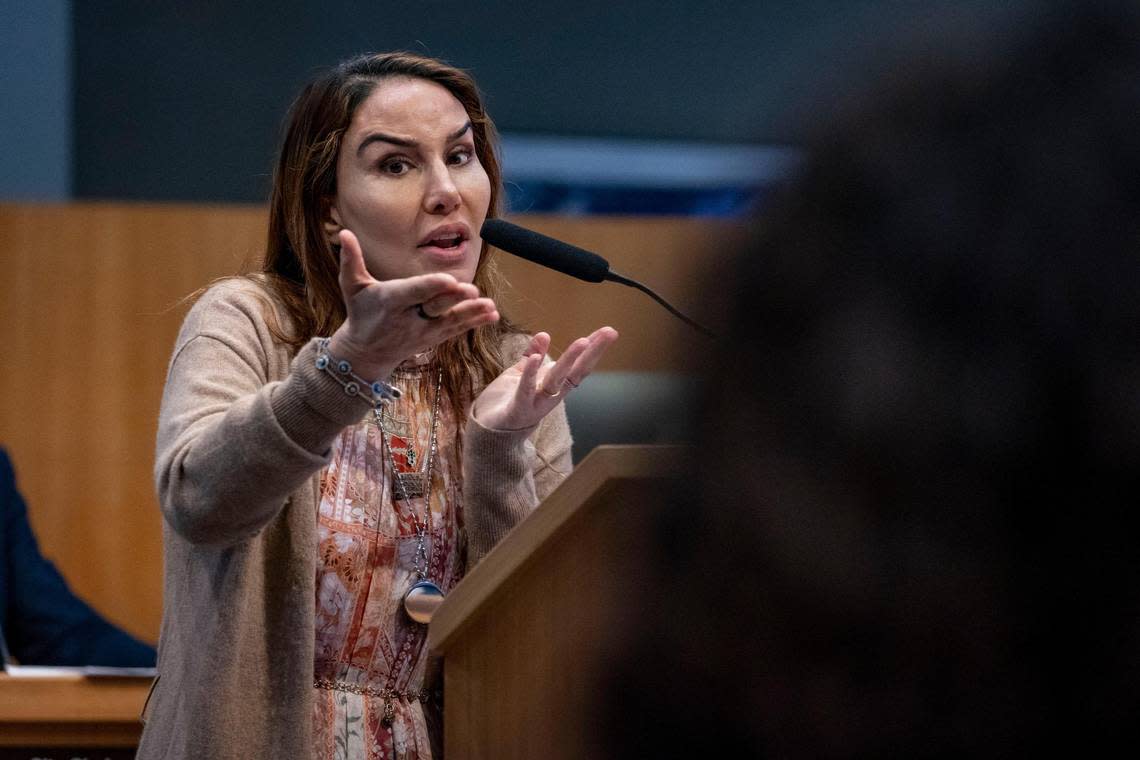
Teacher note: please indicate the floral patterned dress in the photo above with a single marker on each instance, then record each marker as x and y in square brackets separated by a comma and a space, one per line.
[374, 694]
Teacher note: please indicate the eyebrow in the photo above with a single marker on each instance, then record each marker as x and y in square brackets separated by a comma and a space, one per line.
[381, 137]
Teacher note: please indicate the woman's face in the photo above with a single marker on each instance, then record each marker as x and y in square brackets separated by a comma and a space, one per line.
[409, 184]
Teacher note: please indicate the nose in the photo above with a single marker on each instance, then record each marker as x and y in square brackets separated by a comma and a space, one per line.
[442, 196]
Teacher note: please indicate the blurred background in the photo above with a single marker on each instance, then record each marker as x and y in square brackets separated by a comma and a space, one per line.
[139, 138]
[636, 107]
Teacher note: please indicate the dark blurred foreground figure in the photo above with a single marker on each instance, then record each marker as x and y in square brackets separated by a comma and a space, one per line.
[919, 455]
[41, 620]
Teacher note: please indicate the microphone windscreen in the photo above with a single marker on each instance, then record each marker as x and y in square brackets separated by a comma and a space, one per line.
[547, 251]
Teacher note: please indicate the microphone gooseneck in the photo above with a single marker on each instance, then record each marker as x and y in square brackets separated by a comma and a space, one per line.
[568, 259]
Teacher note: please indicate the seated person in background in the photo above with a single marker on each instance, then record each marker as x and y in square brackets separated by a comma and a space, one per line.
[41, 620]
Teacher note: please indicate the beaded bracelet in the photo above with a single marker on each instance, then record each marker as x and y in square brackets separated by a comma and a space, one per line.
[378, 392]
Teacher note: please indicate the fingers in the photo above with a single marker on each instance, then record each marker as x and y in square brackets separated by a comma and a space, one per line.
[600, 341]
[439, 305]
[522, 395]
[437, 293]
[444, 301]
[530, 364]
[467, 315]
[578, 361]
[422, 288]
[539, 344]
[533, 358]
[464, 316]
[353, 275]
[410, 291]
[552, 380]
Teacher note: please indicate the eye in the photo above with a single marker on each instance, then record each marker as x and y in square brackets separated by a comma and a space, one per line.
[460, 157]
[395, 166]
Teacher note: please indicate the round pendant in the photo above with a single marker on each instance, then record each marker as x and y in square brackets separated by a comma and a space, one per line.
[421, 600]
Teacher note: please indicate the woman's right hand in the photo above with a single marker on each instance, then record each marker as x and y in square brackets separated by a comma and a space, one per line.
[384, 327]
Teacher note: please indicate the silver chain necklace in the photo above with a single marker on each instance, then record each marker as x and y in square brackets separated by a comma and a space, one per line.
[423, 597]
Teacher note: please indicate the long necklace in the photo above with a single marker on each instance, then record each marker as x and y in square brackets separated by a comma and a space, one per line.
[423, 597]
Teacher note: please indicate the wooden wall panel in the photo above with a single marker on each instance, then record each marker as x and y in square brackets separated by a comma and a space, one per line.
[90, 303]
[670, 255]
[88, 312]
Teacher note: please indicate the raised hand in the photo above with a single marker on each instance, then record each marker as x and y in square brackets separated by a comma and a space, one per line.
[389, 321]
[524, 393]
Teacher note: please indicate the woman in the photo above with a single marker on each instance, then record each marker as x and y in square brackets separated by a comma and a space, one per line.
[370, 344]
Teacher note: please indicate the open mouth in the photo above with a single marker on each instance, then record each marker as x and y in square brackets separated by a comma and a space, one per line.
[451, 240]
[447, 238]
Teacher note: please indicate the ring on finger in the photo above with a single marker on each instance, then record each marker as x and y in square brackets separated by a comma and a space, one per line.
[423, 314]
[570, 382]
[548, 394]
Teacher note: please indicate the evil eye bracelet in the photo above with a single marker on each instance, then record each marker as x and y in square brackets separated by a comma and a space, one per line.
[377, 392]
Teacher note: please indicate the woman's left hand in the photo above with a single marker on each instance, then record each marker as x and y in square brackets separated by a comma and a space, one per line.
[523, 394]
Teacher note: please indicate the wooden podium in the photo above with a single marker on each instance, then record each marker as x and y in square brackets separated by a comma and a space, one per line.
[527, 635]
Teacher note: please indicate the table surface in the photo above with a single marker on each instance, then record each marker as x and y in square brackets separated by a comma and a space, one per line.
[71, 709]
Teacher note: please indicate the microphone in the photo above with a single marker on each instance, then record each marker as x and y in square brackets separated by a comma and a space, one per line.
[545, 251]
[567, 259]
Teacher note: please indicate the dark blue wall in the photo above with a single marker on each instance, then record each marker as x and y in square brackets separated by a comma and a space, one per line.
[35, 100]
[183, 100]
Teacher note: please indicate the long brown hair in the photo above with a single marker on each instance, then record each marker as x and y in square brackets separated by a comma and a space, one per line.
[301, 266]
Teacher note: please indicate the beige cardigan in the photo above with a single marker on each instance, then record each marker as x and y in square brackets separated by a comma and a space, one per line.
[244, 431]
